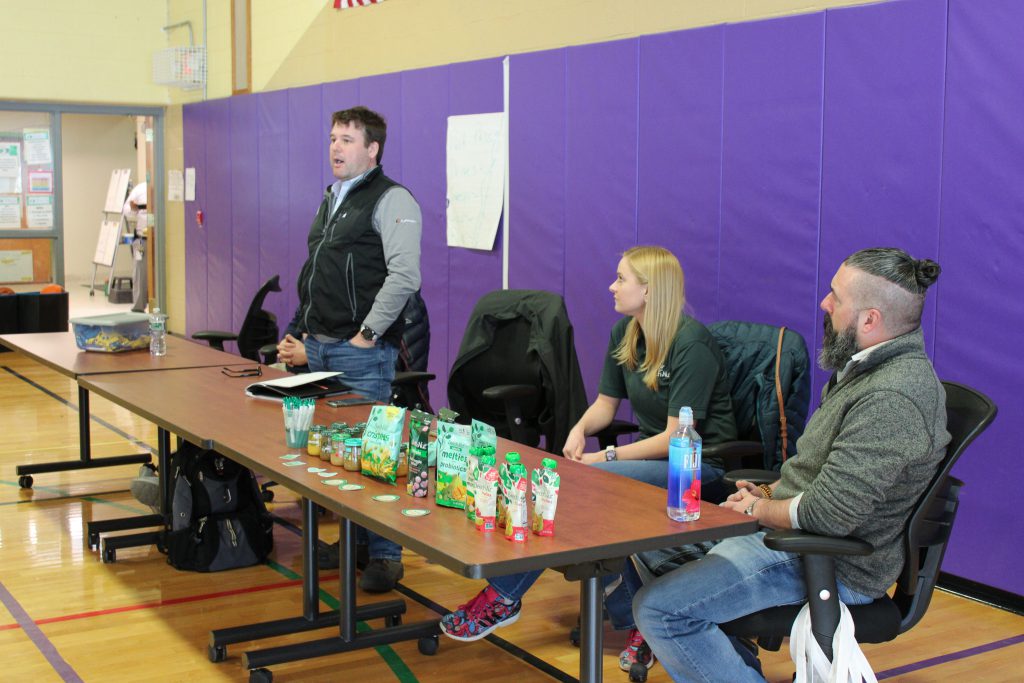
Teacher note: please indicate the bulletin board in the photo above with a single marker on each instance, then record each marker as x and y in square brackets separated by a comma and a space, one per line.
[13, 260]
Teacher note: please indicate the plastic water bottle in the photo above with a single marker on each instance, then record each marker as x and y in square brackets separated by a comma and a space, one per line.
[157, 333]
[684, 448]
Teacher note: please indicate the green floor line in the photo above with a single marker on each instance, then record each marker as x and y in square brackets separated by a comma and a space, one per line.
[390, 657]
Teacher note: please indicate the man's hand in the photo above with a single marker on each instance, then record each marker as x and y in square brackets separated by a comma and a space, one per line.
[742, 499]
[292, 351]
[360, 342]
[745, 486]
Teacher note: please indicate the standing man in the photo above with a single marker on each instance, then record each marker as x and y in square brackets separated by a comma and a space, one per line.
[863, 462]
[134, 211]
[363, 264]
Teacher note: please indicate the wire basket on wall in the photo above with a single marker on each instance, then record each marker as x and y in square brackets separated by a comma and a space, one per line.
[180, 67]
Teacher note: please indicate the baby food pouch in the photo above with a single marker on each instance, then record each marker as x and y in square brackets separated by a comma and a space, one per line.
[516, 514]
[419, 472]
[381, 441]
[545, 497]
[450, 473]
[486, 500]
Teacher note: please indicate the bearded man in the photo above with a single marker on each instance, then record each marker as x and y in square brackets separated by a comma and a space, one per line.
[865, 458]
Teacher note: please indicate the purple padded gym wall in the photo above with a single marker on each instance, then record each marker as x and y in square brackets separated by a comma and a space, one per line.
[761, 153]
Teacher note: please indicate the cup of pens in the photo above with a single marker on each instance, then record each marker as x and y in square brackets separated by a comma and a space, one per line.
[298, 416]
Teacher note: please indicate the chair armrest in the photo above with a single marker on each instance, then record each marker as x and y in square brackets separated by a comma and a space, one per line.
[804, 543]
[734, 452]
[215, 338]
[505, 392]
[609, 436]
[268, 352]
[753, 476]
[405, 378]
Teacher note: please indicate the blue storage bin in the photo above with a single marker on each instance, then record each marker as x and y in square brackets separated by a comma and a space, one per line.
[112, 333]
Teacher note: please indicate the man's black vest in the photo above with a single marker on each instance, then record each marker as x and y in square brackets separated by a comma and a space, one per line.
[345, 268]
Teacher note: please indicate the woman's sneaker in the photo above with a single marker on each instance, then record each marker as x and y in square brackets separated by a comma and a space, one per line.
[637, 652]
[481, 615]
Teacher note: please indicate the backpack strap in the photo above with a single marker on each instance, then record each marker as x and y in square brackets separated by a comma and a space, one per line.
[778, 395]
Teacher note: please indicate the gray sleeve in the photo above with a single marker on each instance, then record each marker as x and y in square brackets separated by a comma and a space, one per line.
[398, 220]
[880, 436]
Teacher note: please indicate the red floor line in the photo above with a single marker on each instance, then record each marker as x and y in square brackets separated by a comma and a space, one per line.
[9, 627]
[172, 601]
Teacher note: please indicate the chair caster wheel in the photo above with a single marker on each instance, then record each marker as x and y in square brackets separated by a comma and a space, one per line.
[428, 646]
[216, 653]
[261, 676]
[25, 481]
[109, 555]
[268, 495]
[638, 673]
[393, 620]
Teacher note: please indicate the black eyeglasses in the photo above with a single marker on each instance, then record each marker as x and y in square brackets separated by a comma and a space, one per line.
[242, 372]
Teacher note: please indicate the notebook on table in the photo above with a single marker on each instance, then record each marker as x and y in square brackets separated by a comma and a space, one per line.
[306, 385]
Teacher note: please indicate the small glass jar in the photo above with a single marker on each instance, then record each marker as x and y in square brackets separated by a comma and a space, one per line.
[403, 461]
[313, 443]
[337, 449]
[353, 455]
[326, 448]
[339, 426]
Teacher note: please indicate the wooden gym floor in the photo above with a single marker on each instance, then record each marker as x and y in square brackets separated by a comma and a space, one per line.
[67, 616]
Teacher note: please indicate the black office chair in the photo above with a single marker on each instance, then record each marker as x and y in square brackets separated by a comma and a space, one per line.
[517, 368]
[969, 413]
[409, 387]
[259, 329]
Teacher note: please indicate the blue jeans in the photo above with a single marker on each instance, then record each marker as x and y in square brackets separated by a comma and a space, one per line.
[369, 372]
[678, 613]
[618, 602]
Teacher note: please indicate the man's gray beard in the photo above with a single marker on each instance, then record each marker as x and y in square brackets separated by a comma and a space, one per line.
[837, 347]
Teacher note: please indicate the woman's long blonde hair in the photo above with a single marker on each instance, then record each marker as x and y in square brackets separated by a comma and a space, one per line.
[659, 270]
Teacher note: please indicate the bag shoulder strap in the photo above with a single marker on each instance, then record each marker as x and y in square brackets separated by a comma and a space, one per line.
[778, 395]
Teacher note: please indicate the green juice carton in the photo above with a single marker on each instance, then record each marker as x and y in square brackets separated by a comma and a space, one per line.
[482, 440]
[504, 481]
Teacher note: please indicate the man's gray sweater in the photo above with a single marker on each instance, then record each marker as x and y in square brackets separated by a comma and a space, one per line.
[866, 456]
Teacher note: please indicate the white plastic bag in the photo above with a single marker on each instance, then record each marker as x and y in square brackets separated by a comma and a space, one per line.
[848, 665]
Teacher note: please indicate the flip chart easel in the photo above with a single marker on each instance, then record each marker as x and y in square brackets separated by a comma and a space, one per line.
[112, 224]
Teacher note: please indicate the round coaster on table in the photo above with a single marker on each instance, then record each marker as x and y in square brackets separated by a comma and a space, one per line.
[335, 482]
[326, 475]
[289, 456]
[386, 498]
[352, 487]
[314, 470]
[415, 512]
[294, 463]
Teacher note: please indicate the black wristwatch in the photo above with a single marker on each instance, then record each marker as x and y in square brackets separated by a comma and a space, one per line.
[368, 334]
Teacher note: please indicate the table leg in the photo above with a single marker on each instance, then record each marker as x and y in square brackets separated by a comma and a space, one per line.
[311, 618]
[85, 460]
[591, 630]
[113, 544]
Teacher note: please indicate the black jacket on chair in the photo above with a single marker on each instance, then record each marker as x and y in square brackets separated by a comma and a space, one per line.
[550, 347]
[750, 351]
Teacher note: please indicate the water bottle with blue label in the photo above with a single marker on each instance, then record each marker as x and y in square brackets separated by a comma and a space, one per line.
[157, 333]
[684, 448]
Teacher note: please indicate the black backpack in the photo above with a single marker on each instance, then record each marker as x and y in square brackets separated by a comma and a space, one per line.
[218, 518]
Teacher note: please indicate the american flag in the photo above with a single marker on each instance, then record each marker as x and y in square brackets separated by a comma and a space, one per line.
[349, 4]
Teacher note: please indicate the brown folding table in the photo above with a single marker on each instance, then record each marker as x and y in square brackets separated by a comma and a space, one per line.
[58, 351]
[602, 519]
